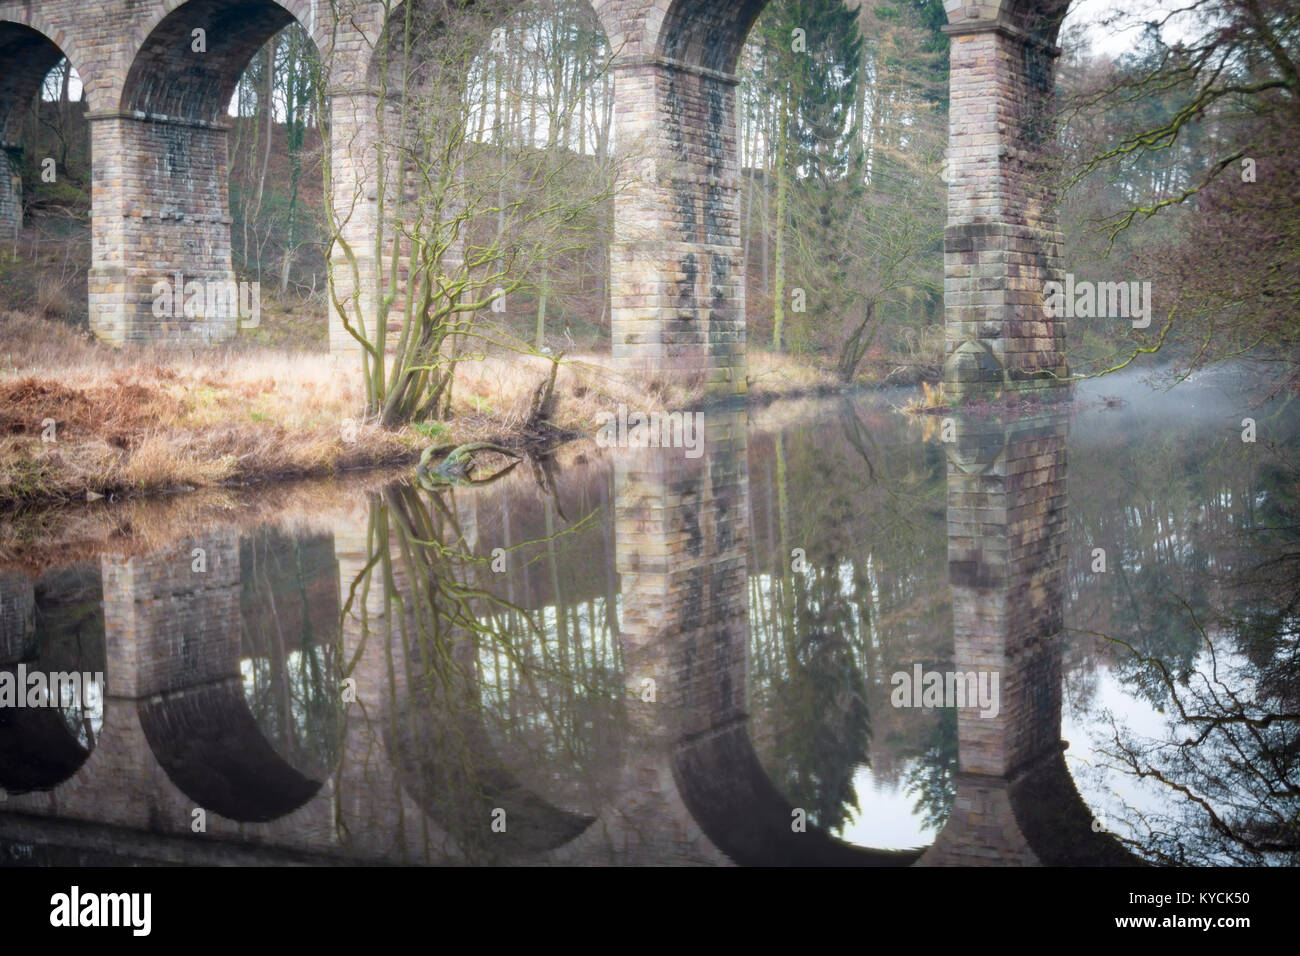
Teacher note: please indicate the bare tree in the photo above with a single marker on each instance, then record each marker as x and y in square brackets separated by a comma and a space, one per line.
[461, 227]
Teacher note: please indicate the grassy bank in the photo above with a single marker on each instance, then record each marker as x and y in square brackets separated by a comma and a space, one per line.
[80, 419]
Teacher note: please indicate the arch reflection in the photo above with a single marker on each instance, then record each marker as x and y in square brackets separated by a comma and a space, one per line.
[682, 537]
[237, 714]
[52, 625]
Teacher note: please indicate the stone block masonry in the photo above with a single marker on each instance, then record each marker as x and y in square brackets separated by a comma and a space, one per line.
[167, 626]
[160, 203]
[678, 292]
[161, 194]
[11, 192]
[1001, 244]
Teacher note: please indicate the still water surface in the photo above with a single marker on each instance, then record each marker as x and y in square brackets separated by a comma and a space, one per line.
[634, 656]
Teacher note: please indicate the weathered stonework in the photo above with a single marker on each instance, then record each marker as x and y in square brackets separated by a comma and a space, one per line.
[160, 193]
[677, 284]
[1006, 561]
[1001, 244]
[11, 193]
[160, 203]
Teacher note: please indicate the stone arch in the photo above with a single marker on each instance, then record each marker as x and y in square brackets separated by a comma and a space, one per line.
[439, 742]
[715, 766]
[438, 708]
[1034, 817]
[1042, 17]
[166, 79]
[1057, 822]
[29, 48]
[711, 33]
[683, 554]
[368, 123]
[175, 641]
[598, 9]
[681, 308]
[161, 155]
[37, 750]
[708, 34]
[735, 803]
[461, 795]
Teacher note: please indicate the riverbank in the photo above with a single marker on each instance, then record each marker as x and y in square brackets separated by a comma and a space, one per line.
[80, 420]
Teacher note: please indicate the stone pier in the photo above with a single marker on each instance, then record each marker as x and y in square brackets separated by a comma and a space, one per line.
[161, 204]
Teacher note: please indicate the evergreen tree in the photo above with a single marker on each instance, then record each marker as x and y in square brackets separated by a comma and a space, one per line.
[812, 58]
[929, 76]
[825, 82]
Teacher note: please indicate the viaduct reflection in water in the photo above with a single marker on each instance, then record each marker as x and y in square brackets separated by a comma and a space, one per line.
[431, 683]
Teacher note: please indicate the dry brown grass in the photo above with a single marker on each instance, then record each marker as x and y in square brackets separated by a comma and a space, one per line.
[40, 538]
[143, 420]
[773, 375]
[52, 299]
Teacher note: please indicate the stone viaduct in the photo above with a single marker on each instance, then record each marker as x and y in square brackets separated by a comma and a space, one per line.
[414, 769]
[160, 204]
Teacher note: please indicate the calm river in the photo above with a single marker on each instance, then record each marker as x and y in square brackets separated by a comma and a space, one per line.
[1061, 633]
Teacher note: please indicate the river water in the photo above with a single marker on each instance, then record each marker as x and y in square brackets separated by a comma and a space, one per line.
[751, 654]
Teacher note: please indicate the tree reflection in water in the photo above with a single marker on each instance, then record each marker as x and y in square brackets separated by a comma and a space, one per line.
[1231, 755]
[495, 711]
[289, 653]
[869, 596]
